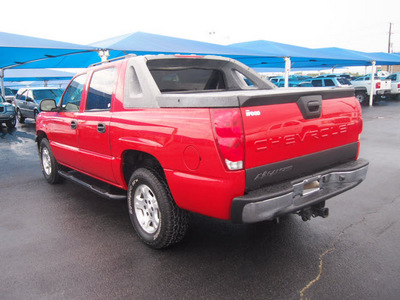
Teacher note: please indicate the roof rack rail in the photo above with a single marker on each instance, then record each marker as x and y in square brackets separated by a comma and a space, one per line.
[114, 59]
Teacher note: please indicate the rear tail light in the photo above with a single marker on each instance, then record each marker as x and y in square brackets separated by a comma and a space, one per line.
[398, 85]
[378, 85]
[228, 133]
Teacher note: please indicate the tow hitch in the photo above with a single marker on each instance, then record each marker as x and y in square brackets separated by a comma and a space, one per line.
[318, 210]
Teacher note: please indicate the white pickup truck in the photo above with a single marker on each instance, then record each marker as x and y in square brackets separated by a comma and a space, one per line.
[362, 86]
[395, 79]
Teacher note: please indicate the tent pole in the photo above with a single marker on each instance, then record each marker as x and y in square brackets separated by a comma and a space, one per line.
[287, 70]
[3, 92]
[372, 90]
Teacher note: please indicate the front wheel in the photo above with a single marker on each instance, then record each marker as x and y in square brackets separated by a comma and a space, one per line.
[11, 123]
[50, 166]
[157, 220]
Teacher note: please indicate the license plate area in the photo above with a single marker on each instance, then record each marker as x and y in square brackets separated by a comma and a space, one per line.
[307, 186]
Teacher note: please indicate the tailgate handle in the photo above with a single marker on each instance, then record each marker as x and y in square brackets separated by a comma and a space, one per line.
[310, 106]
[313, 106]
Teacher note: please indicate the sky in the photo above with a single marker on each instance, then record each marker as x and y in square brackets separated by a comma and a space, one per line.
[361, 25]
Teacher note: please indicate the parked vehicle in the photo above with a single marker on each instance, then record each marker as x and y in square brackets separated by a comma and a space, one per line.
[174, 134]
[28, 100]
[395, 84]
[7, 113]
[362, 87]
[293, 80]
[330, 81]
[347, 76]
[9, 95]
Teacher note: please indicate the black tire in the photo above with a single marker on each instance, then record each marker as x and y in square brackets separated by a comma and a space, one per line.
[20, 117]
[157, 220]
[11, 123]
[362, 98]
[35, 114]
[48, 162]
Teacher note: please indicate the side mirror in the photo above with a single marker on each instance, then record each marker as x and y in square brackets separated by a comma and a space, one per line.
[47, 105]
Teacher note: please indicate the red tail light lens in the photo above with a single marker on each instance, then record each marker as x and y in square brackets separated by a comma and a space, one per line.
[228, 133]
[398, 85]
[378, 85]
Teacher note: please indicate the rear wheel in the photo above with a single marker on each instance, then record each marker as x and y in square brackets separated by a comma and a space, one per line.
[362, 98]
[49, 164]
[20, 117]
[35, 114]
[158, 221]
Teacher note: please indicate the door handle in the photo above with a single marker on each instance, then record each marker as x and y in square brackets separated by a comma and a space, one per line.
[74, 124]
[101, 128]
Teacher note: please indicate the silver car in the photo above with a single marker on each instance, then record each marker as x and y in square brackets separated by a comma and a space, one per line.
[28, 100]
[7, 113]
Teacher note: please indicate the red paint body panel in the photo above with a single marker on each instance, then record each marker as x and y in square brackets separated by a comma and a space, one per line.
[280, 132]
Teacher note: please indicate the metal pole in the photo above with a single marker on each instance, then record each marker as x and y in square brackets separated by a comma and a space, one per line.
[372, 89]
[287, 70]
[3, 92]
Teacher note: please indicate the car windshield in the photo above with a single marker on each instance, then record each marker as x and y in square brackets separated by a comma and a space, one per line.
[47, 94]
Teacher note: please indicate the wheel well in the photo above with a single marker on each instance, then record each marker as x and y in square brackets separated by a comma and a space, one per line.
[39, 136]
[132, 160]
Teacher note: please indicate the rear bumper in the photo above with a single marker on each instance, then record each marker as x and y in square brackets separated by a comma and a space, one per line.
[280, 199]
[383, 92]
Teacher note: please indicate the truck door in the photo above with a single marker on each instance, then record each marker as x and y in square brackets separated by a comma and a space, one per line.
[64, 139]
[94, 125]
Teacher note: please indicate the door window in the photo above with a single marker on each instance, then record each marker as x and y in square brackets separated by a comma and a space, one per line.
[101, 89]
[72, 96]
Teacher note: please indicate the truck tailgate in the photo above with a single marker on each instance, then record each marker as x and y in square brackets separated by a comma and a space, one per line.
[295, 133]
[386, 84]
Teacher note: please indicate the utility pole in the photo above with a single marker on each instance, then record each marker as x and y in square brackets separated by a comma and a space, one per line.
[389, 43]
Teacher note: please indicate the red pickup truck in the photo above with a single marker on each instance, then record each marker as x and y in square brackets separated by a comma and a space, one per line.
[174, 134]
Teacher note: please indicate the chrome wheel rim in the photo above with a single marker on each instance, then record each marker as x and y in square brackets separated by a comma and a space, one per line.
[360, 98]
[46, 161]
[146, 209]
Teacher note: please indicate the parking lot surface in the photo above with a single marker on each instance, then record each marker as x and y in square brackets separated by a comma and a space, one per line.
[63, 242]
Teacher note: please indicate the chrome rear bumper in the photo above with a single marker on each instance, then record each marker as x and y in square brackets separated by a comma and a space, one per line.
[279, 199]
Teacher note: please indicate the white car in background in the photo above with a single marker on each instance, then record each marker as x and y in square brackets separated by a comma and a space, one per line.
[395, 86]
[362, 86]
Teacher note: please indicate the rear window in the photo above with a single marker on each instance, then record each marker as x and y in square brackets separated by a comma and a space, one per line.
[188, 79]
[343, 81]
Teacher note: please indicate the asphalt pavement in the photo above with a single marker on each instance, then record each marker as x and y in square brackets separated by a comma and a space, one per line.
[63, 242]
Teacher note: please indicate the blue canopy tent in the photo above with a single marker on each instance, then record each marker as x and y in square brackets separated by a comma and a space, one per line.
[141, 43]
[289, 57]
[19, 50]
[45, 75]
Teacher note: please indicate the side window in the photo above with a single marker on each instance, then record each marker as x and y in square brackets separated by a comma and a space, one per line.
[72, 96]
[100, 89]
[30, 96]
[317, 82]
[23, 95]
[244, 79]
[329, 82]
